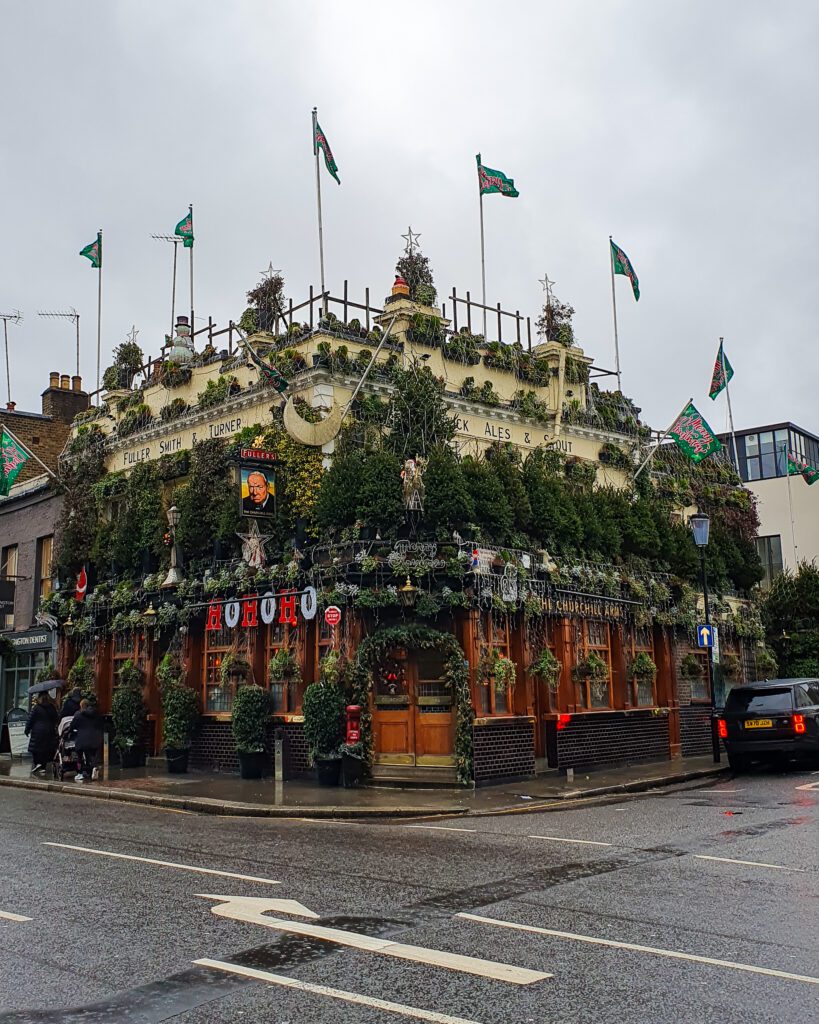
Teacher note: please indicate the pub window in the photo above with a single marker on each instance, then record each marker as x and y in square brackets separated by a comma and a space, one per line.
[217, 644]
[699, 685]
[595, 693]
[8, 571]
[642, 688]
[128, 645]
[45, 549]
[495, 701]
[286, 694]
[769, 550]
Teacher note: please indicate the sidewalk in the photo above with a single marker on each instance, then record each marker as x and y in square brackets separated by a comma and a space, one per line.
[229, 795]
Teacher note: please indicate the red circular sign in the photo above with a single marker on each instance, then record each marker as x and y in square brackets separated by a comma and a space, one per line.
[332, 615]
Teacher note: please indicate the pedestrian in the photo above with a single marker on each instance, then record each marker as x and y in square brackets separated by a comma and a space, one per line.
[72, 703]
[86, 727]
[41, 727]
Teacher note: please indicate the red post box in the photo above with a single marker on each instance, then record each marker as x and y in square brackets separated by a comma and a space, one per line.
[353, 723]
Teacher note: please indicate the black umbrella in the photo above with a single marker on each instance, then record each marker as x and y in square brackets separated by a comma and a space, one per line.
[49, 684]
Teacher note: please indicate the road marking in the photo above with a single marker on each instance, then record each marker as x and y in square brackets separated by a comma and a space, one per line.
[809, 785]
[165, 863]
[8, 916]
[560, 839]
[335, 993]
[749, 863]
[443, 828]
[251, 909]
[670, 953]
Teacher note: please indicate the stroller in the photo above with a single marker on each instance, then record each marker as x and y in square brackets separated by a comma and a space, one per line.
[65, 759]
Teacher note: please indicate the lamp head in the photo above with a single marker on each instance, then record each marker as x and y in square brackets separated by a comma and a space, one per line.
[700, 525]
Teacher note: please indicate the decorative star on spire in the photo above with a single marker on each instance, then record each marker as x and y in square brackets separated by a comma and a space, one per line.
[547, 287]
[411, 240]
[269, 273]
[132, 334]
[253, 545]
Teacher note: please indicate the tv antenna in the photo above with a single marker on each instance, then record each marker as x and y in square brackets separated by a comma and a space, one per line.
[15, 317]
[67, 314]
[176, 239]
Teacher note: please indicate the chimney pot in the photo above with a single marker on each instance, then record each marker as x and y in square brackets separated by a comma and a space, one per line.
[64, 381]
[76, 383]
[11, 406]
[54, 379]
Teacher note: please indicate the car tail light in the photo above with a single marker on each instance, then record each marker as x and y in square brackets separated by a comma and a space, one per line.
[563, 721]
[798, 723]
[722, 728]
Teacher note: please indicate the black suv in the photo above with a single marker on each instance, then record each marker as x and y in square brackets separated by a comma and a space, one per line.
[771, 721]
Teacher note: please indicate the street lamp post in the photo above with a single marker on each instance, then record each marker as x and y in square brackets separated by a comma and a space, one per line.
[701, 527]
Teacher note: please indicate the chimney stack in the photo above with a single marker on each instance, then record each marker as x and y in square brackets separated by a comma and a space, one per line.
[64, 397]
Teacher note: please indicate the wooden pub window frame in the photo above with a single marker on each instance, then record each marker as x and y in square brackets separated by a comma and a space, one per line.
[279, 635]
[701, 681]
[128, 645]
[497, 638]
[645, 648]
[603, 651]
[217, 642]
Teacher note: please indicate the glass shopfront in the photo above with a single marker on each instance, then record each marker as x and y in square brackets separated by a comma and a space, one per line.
[33, 648]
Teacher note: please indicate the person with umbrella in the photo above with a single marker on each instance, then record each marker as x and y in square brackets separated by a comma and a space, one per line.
[41, 727]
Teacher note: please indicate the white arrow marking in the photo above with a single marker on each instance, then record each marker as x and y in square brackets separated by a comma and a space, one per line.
[809, 785]
[8, 916]
[334, 993]
[251, 909]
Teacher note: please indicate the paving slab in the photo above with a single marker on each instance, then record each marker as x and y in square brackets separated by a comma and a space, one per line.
[211, 793]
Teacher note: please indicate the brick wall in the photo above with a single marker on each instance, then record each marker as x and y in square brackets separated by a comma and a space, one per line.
[695, 730]
[607, 739]
[24, 519]
[505, 748]
[213, 749]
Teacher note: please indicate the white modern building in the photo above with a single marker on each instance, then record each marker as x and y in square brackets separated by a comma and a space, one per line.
[788, 506]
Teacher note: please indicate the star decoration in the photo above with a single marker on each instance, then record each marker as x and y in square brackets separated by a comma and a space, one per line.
[547, 286]
[411, 240]
[132, 334]
[269, 273]
[253, 545]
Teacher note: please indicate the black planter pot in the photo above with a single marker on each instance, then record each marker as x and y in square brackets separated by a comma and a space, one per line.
[352, 771]
[328, 771]
[132, 757]
[177, 760]
[251, 766]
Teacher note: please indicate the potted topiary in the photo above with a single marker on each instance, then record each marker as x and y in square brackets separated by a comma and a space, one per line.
[128, 716]
[251, 713]
[323, 708]
[180, 713]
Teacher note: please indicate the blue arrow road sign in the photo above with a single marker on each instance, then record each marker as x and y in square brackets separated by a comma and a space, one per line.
[705, 636]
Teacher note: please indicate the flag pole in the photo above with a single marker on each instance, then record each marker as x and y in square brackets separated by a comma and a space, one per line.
[790, 508]
[190, 210]
[662, 438]
[730, 411]
[8, 371]
[483, 254]
[77, 321]
[29, 452]
[614, 311]
[173, 289]
[318, 201]
[99, 314]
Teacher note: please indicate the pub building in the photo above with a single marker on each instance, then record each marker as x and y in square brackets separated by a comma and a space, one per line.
[473, 661]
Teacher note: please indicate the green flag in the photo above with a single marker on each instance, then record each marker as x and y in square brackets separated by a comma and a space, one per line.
[723, 372]
[693, 435]
[622, 265]
[12, 459]
[93, 251]
[185, 230]
[494, 181]
[798, 467]
[320, 143]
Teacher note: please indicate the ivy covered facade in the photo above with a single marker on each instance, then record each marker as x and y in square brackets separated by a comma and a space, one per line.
[510, 598]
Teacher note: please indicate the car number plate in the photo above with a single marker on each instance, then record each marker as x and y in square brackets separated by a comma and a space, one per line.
[759, 723]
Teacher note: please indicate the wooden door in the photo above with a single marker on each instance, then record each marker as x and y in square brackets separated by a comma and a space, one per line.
[434, 711]
[393, 718]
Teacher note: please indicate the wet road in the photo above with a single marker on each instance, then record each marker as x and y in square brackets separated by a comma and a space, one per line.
[692, 906]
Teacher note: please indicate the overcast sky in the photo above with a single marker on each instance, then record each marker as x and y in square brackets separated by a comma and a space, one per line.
[686, 130]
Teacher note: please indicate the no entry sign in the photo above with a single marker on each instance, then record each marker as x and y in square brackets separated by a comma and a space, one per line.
[332, 615]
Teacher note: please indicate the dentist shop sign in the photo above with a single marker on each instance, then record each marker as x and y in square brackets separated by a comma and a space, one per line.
[248, 612]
